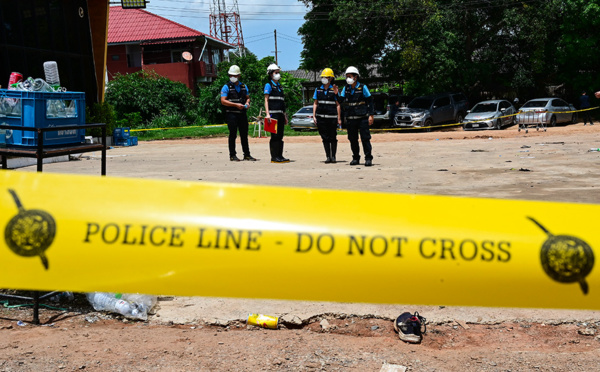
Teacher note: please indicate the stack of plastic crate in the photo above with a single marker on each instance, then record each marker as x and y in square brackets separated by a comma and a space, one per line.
[42, 110]
[123, 137]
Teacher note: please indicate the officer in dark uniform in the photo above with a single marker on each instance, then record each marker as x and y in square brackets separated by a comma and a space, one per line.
[326, 113]
[584, 103]
[275, 109]
[236, 99]
[358, 110]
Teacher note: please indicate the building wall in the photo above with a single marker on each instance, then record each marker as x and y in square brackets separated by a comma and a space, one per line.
[124, 59]
[117, 61]
[33, 32]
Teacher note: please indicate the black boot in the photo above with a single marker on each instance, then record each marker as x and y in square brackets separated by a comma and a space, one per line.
[327, 147]
[273, 150]
[333, 151]
[281, 153]
[276, 150]
[355, 160]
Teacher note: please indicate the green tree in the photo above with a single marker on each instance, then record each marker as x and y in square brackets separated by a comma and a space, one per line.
[493, 47]
[578, 46]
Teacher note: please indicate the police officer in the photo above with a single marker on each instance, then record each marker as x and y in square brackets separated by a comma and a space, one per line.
[326, 113]
[236, 99]
[275, 109]
[358, 111]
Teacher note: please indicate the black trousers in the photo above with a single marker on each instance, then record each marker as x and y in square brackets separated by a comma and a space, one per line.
[327, 129]
[587, 116]
[235, 123]
[356, 126]
[278, 137]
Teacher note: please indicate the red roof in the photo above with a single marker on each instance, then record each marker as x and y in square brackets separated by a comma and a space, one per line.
[130, 25]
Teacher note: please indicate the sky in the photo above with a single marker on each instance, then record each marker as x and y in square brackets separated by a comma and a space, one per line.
[259, 19]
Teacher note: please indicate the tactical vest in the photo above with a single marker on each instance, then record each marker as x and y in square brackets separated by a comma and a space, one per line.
[355, 105]
[276, 100]
[235, 97]
[326, 103]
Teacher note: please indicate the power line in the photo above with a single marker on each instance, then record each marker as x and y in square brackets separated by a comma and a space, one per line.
[367, 14]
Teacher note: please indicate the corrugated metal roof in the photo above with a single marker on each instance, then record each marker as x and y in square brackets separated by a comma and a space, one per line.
[131, 25]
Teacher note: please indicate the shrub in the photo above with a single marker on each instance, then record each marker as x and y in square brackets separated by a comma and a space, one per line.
[101, 113]
[149, 94]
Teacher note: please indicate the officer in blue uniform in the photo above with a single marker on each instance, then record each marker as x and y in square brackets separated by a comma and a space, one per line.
[275, 109]
[326, 113]
[358, 111]
[236, 100]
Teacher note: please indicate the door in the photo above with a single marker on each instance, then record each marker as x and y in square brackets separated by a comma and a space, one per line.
[442, 110]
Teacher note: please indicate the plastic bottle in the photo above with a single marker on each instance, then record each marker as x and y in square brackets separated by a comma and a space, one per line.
[107, 302]
[63, 296]
[51, 72]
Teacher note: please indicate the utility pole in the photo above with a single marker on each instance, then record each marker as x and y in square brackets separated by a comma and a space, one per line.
[276, 62]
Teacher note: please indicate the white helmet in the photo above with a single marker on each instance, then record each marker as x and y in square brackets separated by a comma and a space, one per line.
[272, 67]
[352, 70]
[234, 70]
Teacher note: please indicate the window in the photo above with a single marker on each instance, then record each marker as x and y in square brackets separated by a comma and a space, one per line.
[444, 101]
[459, 97]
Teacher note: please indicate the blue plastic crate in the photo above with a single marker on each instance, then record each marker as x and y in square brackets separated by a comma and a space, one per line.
[121, 133]
[42, 110]
[131, 141]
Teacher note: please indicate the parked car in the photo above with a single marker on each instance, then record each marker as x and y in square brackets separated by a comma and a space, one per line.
[493, 114]
[303, 119]
[381, 107]
[432, 110]
[550, 111]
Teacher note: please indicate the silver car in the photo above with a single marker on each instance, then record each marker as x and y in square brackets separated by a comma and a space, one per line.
[303, 119]
[549, 111]
[494, 114]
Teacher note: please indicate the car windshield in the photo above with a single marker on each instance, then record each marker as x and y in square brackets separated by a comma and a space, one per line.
[420, 103]
[535, 104]
[484, 107]
[305, 110]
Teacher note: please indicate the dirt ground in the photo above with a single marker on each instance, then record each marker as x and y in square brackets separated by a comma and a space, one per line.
[555, 165]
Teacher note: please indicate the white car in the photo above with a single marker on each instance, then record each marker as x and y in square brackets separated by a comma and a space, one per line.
[303, 119]
[549, 111]
[494, 114]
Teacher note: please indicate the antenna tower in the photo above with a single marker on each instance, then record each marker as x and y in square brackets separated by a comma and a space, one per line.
[225, 23]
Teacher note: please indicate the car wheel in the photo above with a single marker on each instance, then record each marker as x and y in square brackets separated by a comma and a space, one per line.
[552, 121]
[459, 118]
[428, 125]
[498, 124]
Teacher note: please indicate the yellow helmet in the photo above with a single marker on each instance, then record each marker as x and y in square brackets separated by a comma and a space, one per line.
[327, 73]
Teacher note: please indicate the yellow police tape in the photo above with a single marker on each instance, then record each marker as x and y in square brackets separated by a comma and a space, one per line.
[186, 127]
[457, 124]
[83, 233]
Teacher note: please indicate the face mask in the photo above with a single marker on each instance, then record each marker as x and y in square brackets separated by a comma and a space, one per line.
[325, 81]
[350, 81]
[233, 79]
[276, 77]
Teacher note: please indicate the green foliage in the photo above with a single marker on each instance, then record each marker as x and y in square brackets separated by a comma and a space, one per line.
[101, 113]
[254, 75]
[132, 120]
[501, 47]
[149, 94]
